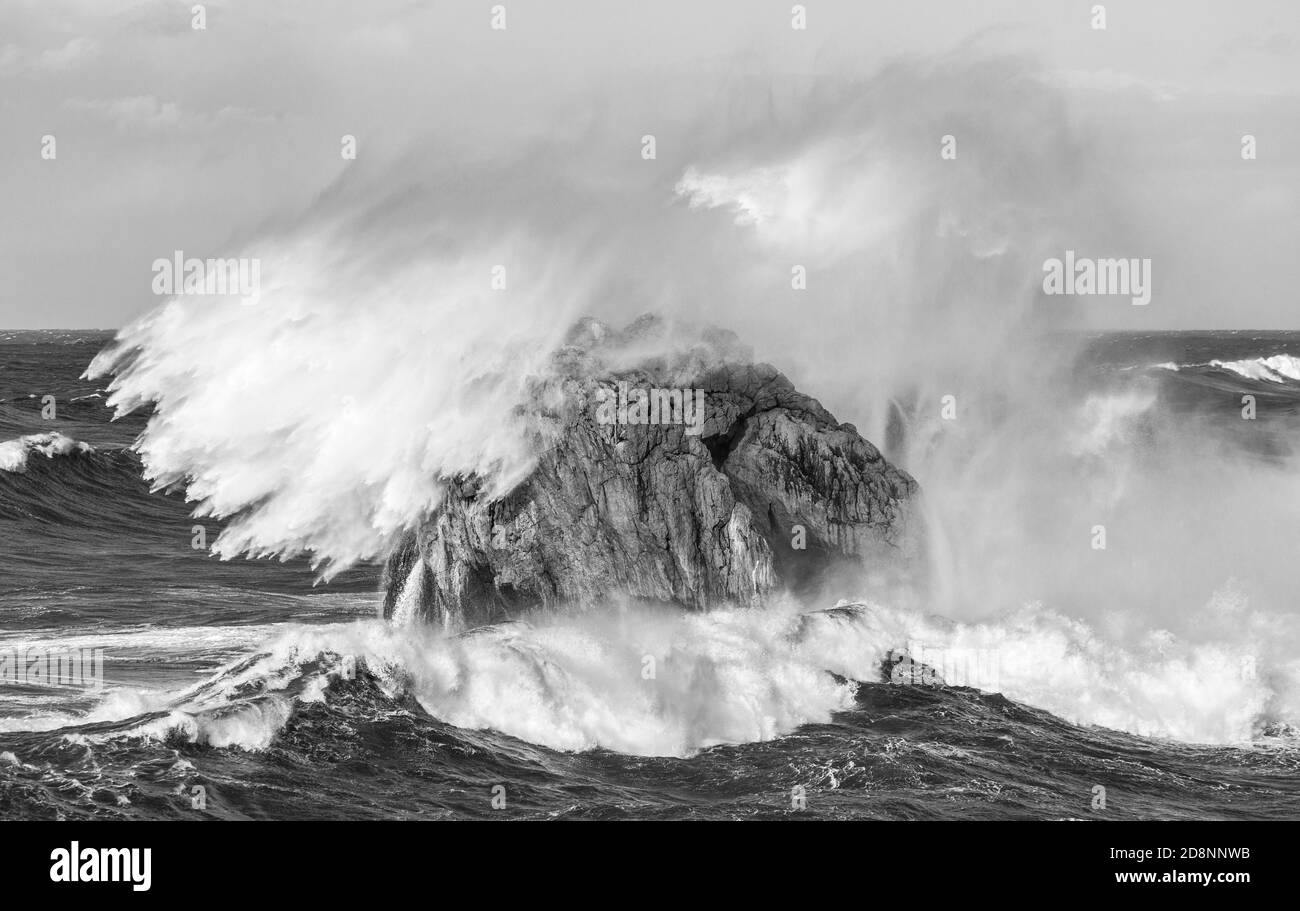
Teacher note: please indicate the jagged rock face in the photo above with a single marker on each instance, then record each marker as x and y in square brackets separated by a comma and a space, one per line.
[696, 510]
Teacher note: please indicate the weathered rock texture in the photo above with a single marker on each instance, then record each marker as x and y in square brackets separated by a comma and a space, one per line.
[652, 512]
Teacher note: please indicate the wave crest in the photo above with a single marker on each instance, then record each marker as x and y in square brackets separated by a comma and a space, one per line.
[14, 454]
[654, 682]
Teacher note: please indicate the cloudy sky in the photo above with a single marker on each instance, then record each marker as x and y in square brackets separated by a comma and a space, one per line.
[169, 137]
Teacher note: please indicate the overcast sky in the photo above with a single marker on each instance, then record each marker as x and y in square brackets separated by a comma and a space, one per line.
[174, 138]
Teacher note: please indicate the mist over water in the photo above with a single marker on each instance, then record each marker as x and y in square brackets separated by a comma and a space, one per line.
[379, 361]
[378, 356]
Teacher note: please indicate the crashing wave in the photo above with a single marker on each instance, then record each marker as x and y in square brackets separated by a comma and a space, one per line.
[15, 453]
[1278, 368]
[671, 683]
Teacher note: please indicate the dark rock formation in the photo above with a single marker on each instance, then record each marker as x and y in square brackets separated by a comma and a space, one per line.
[763, 491]
[901, 668]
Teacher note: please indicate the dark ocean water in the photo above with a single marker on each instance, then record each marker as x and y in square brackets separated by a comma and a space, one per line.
[232, 690]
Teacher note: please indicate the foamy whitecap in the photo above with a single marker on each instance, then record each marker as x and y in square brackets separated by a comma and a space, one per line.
[14, 454]
[654, 682]
[1276, 368]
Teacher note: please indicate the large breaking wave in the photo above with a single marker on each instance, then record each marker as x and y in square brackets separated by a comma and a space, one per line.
[379, 361]
[667, 683]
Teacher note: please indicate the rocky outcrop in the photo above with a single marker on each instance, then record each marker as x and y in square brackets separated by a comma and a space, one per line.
[899, 667]
[636, 494]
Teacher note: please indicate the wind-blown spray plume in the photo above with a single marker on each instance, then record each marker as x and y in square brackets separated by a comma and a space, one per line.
[379, 362]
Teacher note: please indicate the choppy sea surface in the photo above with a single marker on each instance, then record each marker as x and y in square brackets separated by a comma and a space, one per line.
[244, 690]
